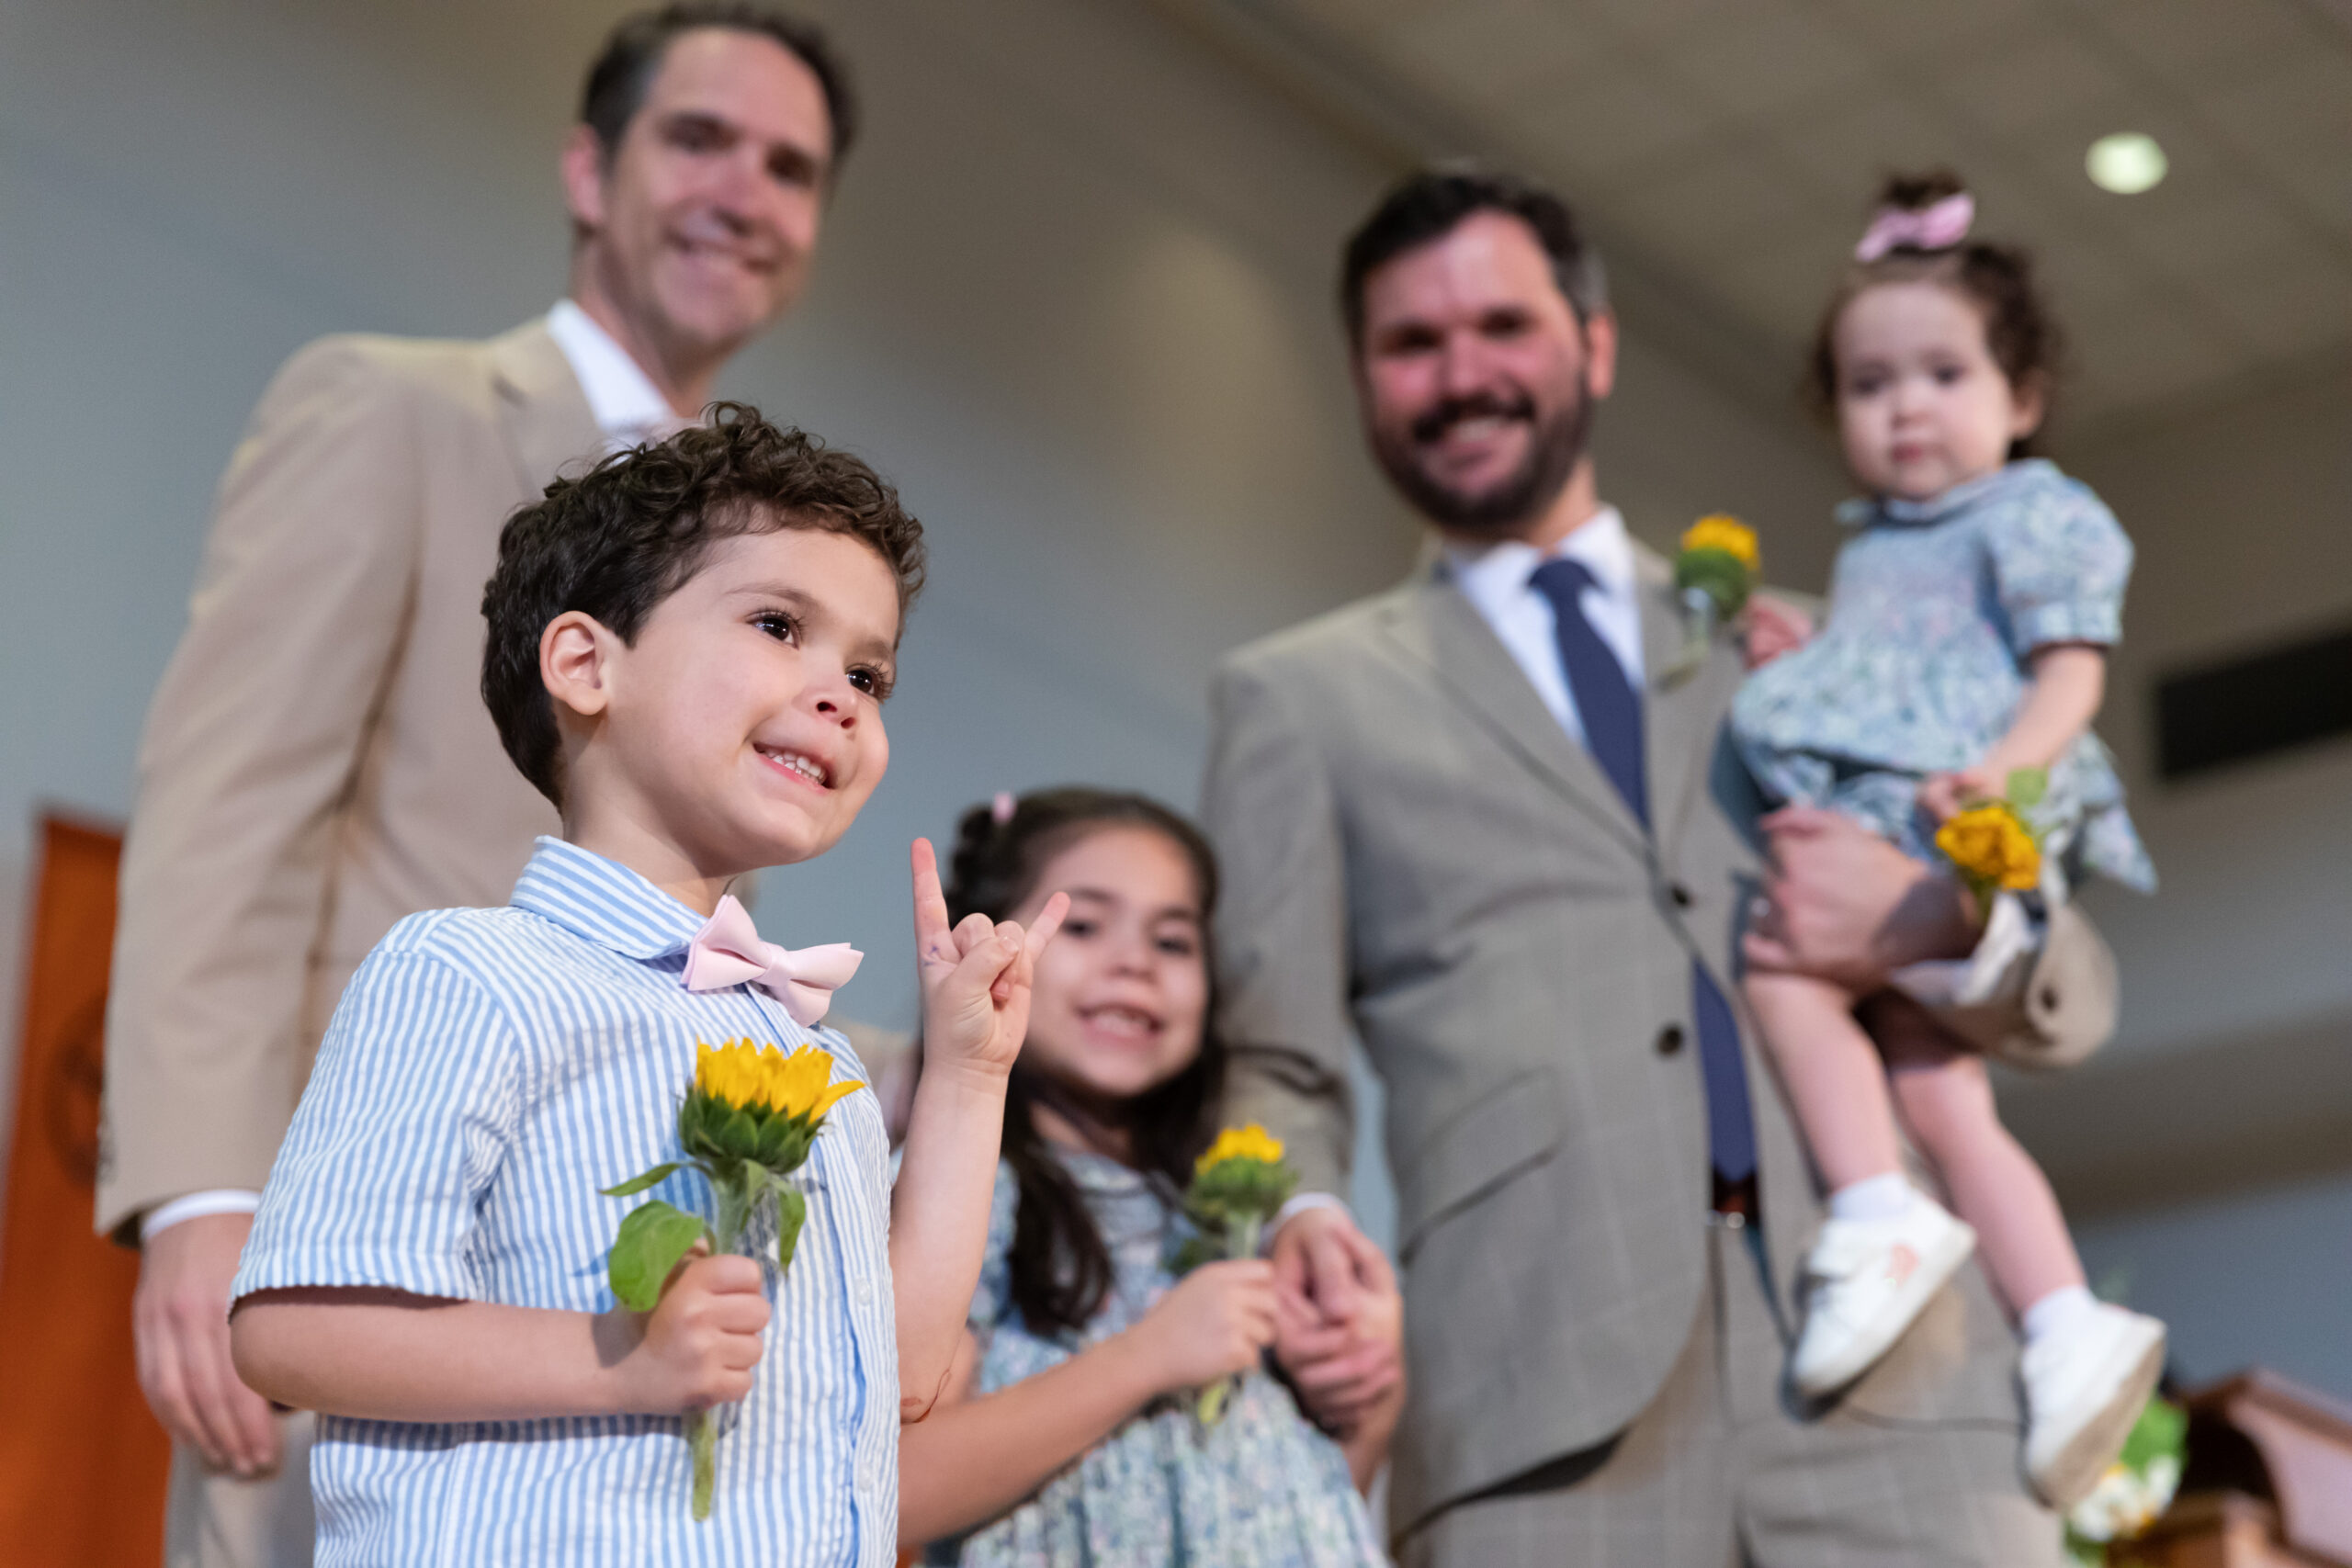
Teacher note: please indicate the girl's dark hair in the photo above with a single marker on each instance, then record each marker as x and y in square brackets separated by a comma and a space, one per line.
[1061, 1268]
[2020, 332]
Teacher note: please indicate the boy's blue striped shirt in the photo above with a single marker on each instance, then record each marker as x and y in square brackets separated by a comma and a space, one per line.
[487, 1071]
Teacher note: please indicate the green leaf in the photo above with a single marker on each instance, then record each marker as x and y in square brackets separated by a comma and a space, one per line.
[791, 1213]
[2027, 787]
[636, 1184]
[652, 1238]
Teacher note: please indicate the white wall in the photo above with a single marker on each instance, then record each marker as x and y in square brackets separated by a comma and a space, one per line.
[2208, 1150]
[1075, 296]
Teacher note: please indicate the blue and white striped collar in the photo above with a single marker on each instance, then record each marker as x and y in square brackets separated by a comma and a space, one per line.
[604, 902]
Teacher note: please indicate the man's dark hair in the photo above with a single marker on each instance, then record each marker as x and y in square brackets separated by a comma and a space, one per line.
[633, 50]
[1431, 204]
[627, 533]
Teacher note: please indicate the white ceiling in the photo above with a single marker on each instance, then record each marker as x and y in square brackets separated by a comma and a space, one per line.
[1730, 149]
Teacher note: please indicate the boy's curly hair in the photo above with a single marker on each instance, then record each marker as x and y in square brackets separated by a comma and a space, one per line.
[614, 542]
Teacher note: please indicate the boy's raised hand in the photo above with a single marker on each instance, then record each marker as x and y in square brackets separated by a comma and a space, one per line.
[976, 975]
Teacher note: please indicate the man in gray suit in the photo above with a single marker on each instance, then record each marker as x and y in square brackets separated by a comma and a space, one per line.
[1483, 821]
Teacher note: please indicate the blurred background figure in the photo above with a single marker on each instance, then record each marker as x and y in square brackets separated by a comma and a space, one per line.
[318, 762]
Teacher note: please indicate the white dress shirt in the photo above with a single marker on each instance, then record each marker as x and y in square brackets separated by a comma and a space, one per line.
[629, 406]
[629, 409]
[1494, 578]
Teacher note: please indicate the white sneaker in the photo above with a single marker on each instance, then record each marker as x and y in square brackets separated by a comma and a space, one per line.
[1866, 1281]
[2084, 1388]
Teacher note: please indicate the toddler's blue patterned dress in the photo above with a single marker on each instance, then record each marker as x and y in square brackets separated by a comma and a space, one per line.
[1920, 666]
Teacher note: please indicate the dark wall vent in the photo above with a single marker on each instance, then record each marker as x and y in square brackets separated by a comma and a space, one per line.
[2254, 706]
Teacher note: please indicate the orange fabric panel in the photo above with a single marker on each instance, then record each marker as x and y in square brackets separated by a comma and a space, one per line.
[83, 1464]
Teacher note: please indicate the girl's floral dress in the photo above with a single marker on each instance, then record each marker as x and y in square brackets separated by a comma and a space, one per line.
[1262, 1487]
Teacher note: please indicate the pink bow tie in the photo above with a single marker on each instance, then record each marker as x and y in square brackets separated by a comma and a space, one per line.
[727, 951]
[1936, 228]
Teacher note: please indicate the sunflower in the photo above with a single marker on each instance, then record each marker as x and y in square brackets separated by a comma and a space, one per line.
[1992, 847]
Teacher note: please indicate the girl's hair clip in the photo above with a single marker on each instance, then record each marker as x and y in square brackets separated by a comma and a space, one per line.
[1002, 808]
[1936, 228]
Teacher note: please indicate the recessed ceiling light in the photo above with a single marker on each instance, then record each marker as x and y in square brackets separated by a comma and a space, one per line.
[2126, 163]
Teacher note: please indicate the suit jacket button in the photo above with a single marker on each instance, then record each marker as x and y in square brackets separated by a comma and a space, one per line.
[1670, 1040]
[1681, 895]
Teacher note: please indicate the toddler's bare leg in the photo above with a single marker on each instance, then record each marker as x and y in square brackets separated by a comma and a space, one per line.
[1946, 1099]
[1837, 1084]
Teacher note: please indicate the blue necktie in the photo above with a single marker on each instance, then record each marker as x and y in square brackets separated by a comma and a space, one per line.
[1612, 713]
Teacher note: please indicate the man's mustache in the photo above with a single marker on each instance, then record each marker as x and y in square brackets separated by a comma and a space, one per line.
[1433, 424]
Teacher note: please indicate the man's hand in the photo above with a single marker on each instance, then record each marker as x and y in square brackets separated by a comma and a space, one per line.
[1340, 1335]
[1847, 906]
[976, 975]
[180, 1326]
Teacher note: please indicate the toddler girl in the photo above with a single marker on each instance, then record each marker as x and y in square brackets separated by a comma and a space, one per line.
[1069, 1435]
[1968, 624]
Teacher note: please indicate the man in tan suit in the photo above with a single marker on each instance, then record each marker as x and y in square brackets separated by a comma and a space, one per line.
[1484, 823]
[318, 762]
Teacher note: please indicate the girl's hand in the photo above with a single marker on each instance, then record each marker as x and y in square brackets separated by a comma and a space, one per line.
[1944, 795]
[975, 976]
[698, 1345]
[1218, 1321]
[1774, 627]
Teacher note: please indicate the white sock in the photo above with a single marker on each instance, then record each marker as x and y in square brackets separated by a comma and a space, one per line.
[2057, 1313]
[1887, 1197]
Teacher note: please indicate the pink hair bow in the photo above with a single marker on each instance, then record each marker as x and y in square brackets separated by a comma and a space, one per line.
[1936, 228]
[729, 951]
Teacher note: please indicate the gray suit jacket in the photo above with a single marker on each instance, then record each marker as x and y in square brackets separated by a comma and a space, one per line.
[1415, 848]
[318, 762]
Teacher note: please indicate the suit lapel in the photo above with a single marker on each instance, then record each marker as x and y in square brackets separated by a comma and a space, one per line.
[1445, 630]
[1683, 713]
[548, 423]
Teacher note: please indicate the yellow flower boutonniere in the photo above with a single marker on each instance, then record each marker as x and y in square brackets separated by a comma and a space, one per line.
[748, 1120]
[1715, 573]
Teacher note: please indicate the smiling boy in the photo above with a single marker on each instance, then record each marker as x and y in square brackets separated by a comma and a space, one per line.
[688, 652]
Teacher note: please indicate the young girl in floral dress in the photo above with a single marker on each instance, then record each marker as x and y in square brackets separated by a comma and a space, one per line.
[1069, 1434]
[1969, 621]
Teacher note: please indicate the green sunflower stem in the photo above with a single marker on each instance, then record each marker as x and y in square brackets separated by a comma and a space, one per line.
[1241, 1238]
[702, 1440]
[735, 1201]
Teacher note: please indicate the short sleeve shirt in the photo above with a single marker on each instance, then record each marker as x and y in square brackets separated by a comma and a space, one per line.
[486, 1072]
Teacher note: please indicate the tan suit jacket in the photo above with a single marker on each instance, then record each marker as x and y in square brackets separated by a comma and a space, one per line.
[1416, 849]
[318, 762]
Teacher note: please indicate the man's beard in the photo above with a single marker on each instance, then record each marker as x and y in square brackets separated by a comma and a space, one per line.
[1555, 444]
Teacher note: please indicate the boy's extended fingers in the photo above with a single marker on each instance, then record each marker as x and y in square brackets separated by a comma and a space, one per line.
[1042, 929]
[931, 901]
